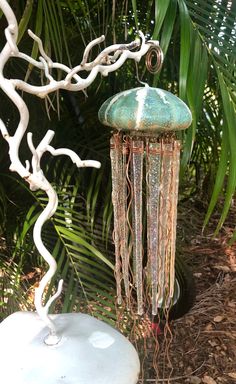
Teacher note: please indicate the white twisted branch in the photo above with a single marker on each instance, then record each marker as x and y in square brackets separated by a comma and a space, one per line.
[110, 59]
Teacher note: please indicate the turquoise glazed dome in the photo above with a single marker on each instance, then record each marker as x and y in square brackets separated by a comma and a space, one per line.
[145, 109]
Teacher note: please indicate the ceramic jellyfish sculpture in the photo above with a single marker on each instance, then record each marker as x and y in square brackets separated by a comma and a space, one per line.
[145, 153]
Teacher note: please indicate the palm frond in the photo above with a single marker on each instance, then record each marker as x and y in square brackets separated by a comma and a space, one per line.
[84, 261]
[207, 61]
[13, 293]
[216, 25]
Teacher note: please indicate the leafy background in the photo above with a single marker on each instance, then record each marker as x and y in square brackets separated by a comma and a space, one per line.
[198, 41]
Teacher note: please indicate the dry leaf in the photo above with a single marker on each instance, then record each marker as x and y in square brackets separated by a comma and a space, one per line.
[218, 319]
[223, 268]
[227, 278]
[197, 274]
[208, 380]
[231, 304]
[194, 380]
[232, 374]
[208, 327]
[190, 320]
[188, 370]
[212, 343]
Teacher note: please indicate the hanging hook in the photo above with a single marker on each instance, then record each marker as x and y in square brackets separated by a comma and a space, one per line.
[154, 58]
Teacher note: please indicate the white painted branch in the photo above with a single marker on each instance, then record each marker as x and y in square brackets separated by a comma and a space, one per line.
[104, 63]
[40, 46]
[38, 180]
[74, 157]
[39, 291]
[96, 66]
[87, 50]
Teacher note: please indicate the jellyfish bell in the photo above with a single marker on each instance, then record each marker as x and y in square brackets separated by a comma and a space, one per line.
[145, 109]
[88, 351]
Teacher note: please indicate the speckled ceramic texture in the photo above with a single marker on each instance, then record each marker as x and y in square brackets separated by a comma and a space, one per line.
[145, 109]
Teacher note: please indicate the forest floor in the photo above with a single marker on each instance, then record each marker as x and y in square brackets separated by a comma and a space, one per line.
[203, 348]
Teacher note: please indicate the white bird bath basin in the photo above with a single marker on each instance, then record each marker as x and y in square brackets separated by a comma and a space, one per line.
[89, 352]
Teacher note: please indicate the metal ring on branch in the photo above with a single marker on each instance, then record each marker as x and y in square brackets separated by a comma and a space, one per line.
[154, 59]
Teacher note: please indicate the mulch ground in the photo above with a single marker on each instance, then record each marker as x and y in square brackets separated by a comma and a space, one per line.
[203, 349]
[203, 345]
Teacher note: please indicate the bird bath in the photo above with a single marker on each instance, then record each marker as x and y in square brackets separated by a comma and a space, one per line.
[89, 352]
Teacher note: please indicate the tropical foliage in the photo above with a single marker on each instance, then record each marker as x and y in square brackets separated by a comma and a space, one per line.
[198, 41]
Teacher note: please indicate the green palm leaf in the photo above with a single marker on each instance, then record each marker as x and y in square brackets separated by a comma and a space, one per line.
[84, 262]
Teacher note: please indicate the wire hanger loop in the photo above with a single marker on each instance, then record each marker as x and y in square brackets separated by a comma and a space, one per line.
[154, 59]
